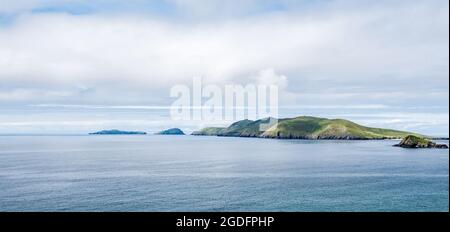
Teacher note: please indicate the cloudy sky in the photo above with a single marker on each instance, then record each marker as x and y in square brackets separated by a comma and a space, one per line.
[73, 66]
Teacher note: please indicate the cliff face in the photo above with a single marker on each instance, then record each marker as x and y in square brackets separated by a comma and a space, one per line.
[304, 128]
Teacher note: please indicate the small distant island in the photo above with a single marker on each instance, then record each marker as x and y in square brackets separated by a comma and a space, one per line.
[172, 131]
[412, 141]
[118, 132]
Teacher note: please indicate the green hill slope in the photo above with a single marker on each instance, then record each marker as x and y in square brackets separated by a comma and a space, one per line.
[245, 128]
[209, 131]
[322, 128]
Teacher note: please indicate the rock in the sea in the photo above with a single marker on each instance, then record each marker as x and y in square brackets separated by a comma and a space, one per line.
[412, 141]
[173, 131]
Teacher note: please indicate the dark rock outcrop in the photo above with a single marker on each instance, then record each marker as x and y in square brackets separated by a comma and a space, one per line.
[412, 141]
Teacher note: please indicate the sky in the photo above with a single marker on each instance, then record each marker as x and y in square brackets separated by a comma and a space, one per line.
[76, 66]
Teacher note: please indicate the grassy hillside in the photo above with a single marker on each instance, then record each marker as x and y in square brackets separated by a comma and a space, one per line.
[209, 131]
[322, 128]
[245, 128]
[306, 128]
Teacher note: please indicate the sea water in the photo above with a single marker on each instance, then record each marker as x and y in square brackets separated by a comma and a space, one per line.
[188, 173]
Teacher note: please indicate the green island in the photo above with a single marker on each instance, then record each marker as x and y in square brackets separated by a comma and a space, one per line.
[172, 131]
[305, 127]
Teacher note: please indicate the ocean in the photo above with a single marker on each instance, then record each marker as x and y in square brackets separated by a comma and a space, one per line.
[188, 173]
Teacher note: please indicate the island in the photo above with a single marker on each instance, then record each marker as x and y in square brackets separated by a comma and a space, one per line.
[304, 127]
[118, 132]
[173, 131]
[412, 141]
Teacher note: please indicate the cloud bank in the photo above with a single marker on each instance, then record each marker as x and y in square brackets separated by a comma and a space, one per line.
[330, 53]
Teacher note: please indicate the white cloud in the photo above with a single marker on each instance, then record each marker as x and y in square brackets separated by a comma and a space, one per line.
[17, 5]
[215, 8]
[270, 77]
[89, 50]
[26, 94]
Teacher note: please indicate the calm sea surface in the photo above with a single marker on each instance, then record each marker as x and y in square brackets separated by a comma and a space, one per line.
[186, 173]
